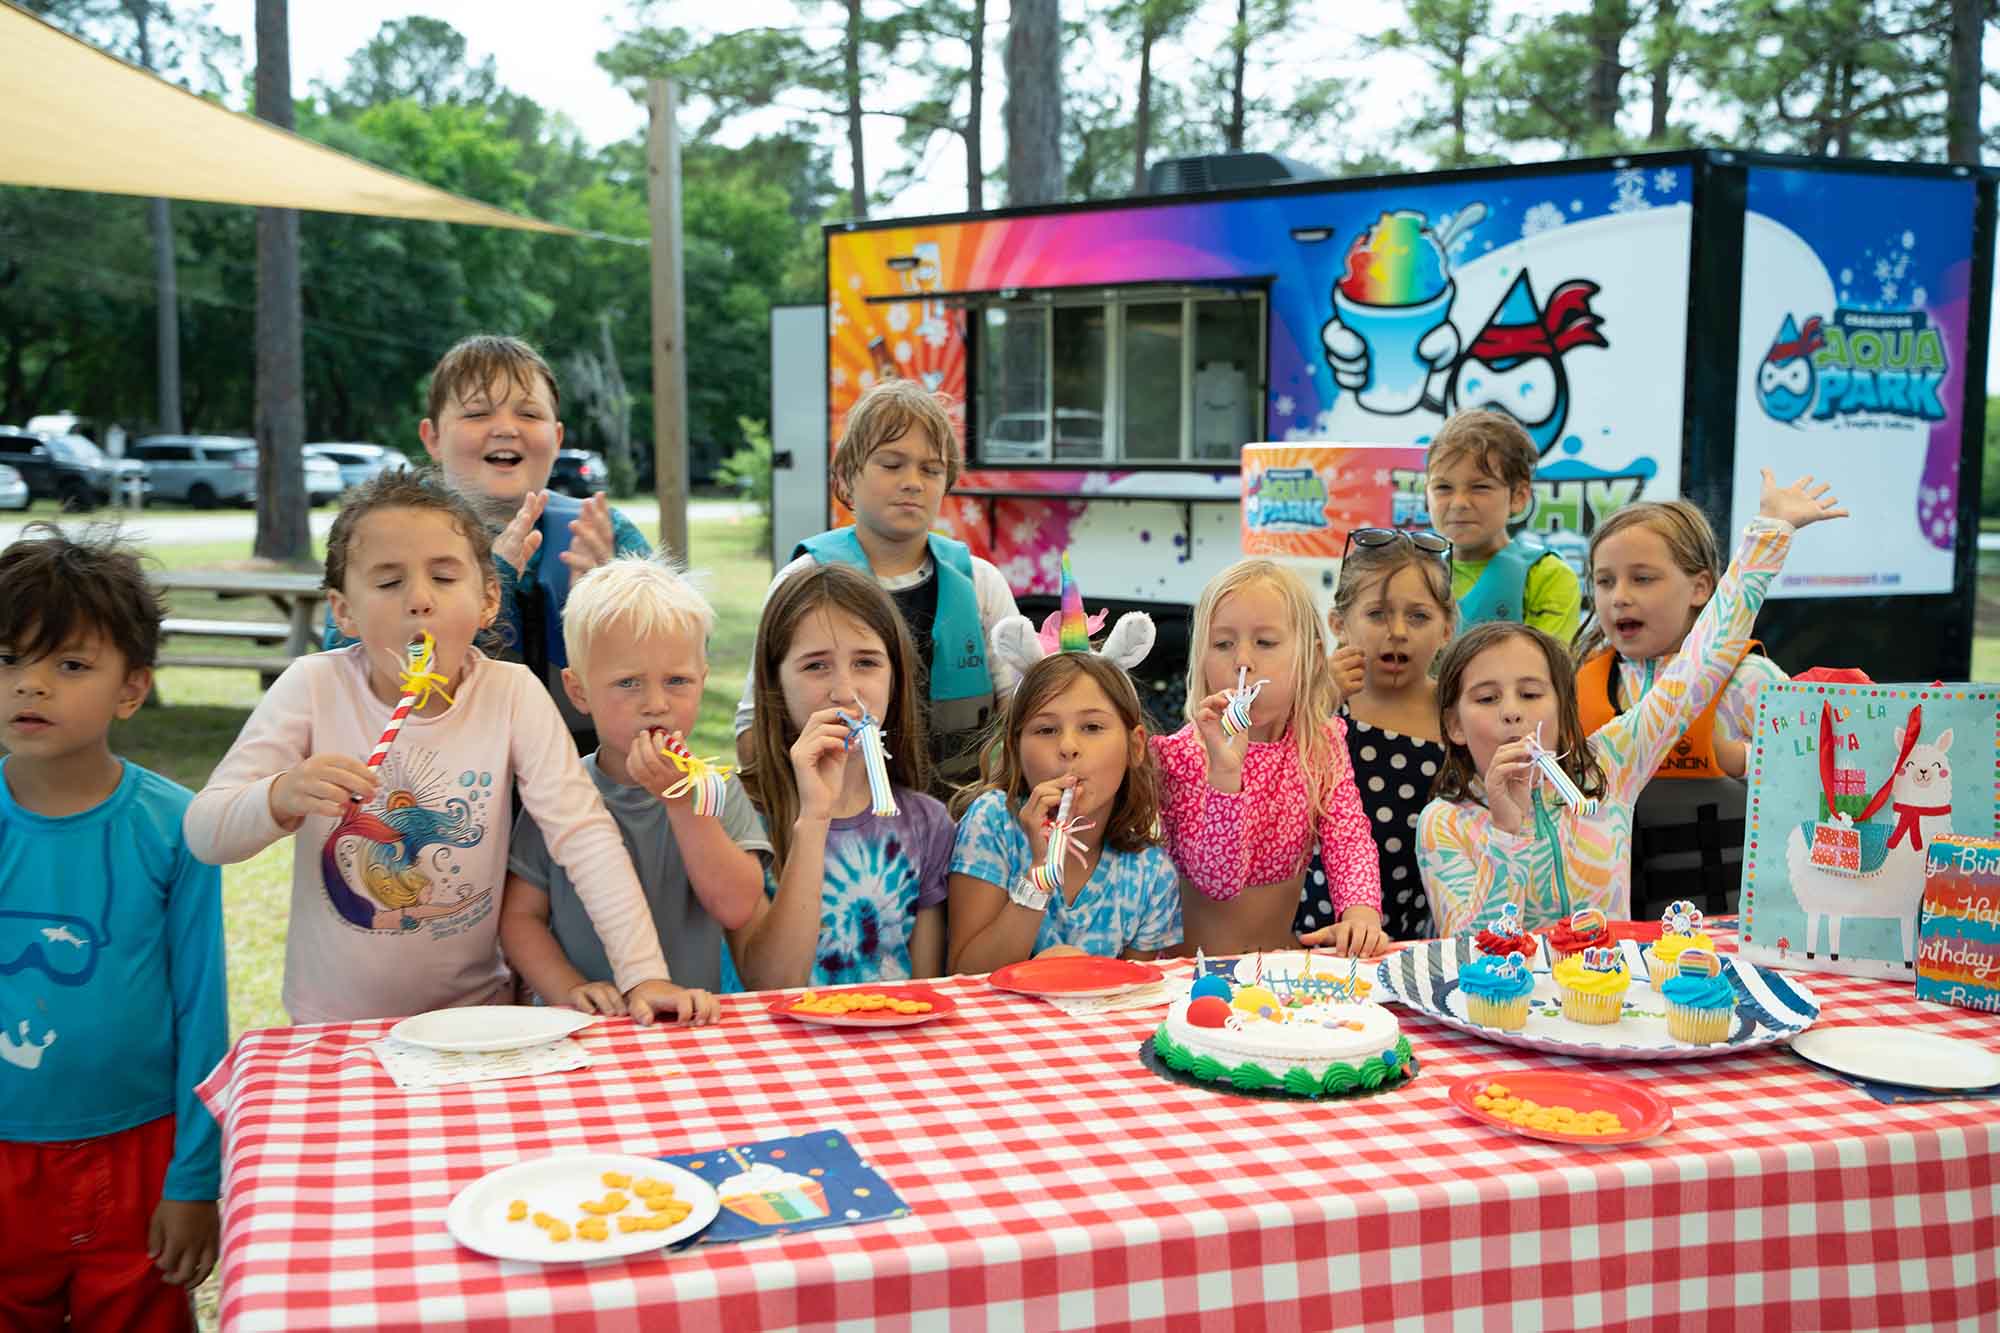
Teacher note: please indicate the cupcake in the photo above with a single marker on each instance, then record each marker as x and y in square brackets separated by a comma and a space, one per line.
[1701, 1003]
[1497, 990]
[1585, 929]
[1593, 986]
[1505, 936]
[1680, 930]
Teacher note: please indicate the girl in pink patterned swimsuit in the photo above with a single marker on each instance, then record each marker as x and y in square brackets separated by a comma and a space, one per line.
[1242, 811]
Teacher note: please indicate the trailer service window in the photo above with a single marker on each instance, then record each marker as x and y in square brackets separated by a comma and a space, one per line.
[1147, 375]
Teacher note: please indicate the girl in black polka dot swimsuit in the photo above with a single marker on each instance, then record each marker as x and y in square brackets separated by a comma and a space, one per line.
[1393, 614]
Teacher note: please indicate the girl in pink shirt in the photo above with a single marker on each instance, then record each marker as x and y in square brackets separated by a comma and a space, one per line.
[1243, 807]
[396, 869]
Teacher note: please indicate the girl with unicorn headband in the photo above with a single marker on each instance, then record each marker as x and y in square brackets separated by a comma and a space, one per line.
[1056, 850]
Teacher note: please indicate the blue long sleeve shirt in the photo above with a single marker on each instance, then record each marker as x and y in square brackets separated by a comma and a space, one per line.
[113, 992]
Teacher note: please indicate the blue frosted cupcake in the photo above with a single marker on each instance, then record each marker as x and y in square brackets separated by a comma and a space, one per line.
[1497, 990]
[1700, 1001]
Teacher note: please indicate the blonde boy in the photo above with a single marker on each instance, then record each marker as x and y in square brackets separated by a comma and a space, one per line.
[638, 657]
[1477, 475]
[892, 467]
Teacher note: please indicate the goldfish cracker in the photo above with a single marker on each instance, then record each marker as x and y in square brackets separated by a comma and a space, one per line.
[517, 1211]
[616, 1180]
[594, 1228]
[558, 1231]
[613, 1202]
[544, 1221]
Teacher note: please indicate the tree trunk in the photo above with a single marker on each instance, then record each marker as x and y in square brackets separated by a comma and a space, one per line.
[1961, 113]
[851, 56]
[1142, 118]
[975, 151]
[1034, 102]
[281, 409]
[1239, 43]
[167, 372]
[1666, 20]
[1459, 97]
[1609, 22]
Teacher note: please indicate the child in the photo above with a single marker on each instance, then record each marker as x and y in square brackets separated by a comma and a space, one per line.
[859, 896]
[638, 641]
[1256, 622]
[493, 429]
[1392, 611]
[1489, 838]
[1074, 724]
[112, 992]
[1652, 567]
[898, 458]
[395, 872]
[1477, 475]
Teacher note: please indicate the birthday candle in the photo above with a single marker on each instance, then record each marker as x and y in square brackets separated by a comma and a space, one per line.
[703, 781]
[868, 732]
[1552, 769]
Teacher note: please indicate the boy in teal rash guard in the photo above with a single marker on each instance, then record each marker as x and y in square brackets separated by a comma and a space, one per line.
[1477, 476]
[493, 429]
[113, 1002]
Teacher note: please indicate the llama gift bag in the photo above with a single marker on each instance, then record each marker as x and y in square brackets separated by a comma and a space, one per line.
[1849, 787]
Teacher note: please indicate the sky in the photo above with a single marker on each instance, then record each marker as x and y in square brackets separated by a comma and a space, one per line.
[554, 62]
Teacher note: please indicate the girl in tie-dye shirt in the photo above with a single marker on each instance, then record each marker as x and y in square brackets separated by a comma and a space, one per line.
[1491, 835]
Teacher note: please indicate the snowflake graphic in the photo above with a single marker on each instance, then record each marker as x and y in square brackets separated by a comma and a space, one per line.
[1285, 405]
[934, 332]
[1909, 240]
[904, 351]
[854, 282]
[865, 378]
[1665, 181]
[839, 377]
[899, 317]
[1884, 270]
[836, 318]
[1629, 186]
[1543, 217]
[1918, 296]
[1890, 291]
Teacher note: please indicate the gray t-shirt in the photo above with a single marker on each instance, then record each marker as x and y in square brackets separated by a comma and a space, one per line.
[689, 936]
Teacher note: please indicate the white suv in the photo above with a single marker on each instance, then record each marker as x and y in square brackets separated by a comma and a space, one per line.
[208, 470]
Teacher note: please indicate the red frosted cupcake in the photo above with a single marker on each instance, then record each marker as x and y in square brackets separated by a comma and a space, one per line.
[1586, 928]
[1505, 935]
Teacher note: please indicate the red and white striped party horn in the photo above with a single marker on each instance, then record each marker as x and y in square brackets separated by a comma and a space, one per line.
[703, 781]
[418, 683]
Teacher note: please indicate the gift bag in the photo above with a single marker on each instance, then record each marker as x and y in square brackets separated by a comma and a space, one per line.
[1849, 785]
[1958, 934]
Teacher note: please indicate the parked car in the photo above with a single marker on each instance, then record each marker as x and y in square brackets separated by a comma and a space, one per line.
[200, 470]
[358, 462]
[13, 490]
[580, 473]
[65, 468]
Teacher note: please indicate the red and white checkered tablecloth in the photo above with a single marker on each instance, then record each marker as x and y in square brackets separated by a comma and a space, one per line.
[1054, 1182]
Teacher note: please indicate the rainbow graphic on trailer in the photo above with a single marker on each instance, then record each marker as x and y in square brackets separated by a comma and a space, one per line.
[1958, 949]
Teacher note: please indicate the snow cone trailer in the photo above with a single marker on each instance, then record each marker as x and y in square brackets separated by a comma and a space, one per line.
[1661, 324]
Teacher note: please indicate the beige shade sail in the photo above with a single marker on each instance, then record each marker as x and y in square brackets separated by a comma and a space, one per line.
[74, 118]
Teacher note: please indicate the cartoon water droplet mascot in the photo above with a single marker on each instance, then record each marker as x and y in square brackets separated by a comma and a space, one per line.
[1787, 376]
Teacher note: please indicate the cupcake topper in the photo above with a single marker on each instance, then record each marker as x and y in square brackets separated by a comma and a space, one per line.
[1551, 768]
[703, 781]
[1510, 920]
[1588, 921]
[1699, 963]
[1602, 960]
[1681, 918]
[1509, 966]
[1236, 717]
[868, 731]
[1016, 642]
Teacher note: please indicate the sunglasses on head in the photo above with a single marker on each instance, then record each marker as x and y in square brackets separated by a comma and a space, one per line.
[1422, 540]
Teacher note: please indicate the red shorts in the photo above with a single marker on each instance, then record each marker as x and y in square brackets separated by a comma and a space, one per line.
[73, 1234]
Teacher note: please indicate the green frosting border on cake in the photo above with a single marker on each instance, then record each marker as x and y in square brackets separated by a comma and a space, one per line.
[1338, 1079]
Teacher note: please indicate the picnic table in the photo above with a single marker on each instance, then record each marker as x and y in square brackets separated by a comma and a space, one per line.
[1053, 1182]
[296, 596]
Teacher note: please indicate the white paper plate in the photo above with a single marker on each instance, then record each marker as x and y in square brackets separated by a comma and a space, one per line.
[490, 1027]
[1770, 1006]
[1906, 1057]
[477, 1218]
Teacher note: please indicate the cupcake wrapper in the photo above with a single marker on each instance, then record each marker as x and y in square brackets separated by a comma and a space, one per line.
[1506, 1015]
[1702, 1027]
[1579, 1007]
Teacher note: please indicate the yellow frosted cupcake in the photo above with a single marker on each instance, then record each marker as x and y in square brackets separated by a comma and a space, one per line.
[1680, 930]
[1593, 985]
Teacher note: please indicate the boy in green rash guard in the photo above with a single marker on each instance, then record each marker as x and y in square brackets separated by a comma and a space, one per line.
[1476, 478]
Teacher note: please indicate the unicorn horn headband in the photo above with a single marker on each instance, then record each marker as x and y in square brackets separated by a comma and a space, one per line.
[1018, 643]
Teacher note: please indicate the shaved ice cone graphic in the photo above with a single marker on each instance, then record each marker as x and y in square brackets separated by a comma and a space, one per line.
[771, 1197]
[1396, 290]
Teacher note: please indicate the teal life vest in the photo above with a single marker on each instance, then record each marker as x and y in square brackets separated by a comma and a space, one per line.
[1501, 592]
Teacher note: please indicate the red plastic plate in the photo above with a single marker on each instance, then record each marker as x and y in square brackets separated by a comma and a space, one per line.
[1074, 975]
[876, 1018]
[1643, 1112]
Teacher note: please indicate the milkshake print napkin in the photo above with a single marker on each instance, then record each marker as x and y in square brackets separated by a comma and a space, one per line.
[784, 1185]
[421, 1067]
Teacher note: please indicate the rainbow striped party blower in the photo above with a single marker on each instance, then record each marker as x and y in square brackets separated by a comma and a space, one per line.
[866, 730]
[419, 682]
[1062, 846]
[703, 781]
[1236, 717]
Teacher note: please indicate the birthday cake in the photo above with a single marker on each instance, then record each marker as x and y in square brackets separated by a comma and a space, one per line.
[1302, 1036]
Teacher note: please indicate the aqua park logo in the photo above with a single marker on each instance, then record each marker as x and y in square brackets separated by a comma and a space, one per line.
[1285, 499]
[1884, 362]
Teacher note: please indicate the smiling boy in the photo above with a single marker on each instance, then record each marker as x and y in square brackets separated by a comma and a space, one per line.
[1478, 475]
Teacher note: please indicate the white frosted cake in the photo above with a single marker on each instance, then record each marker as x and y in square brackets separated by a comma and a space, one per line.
[1305, 1041]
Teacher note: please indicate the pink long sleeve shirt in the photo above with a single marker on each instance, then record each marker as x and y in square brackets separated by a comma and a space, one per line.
[395, 909]
[1229, 841]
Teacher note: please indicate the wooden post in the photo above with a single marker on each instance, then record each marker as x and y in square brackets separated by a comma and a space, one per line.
[670, 443]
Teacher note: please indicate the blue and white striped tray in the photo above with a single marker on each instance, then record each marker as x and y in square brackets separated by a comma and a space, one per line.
[1770, 1006]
